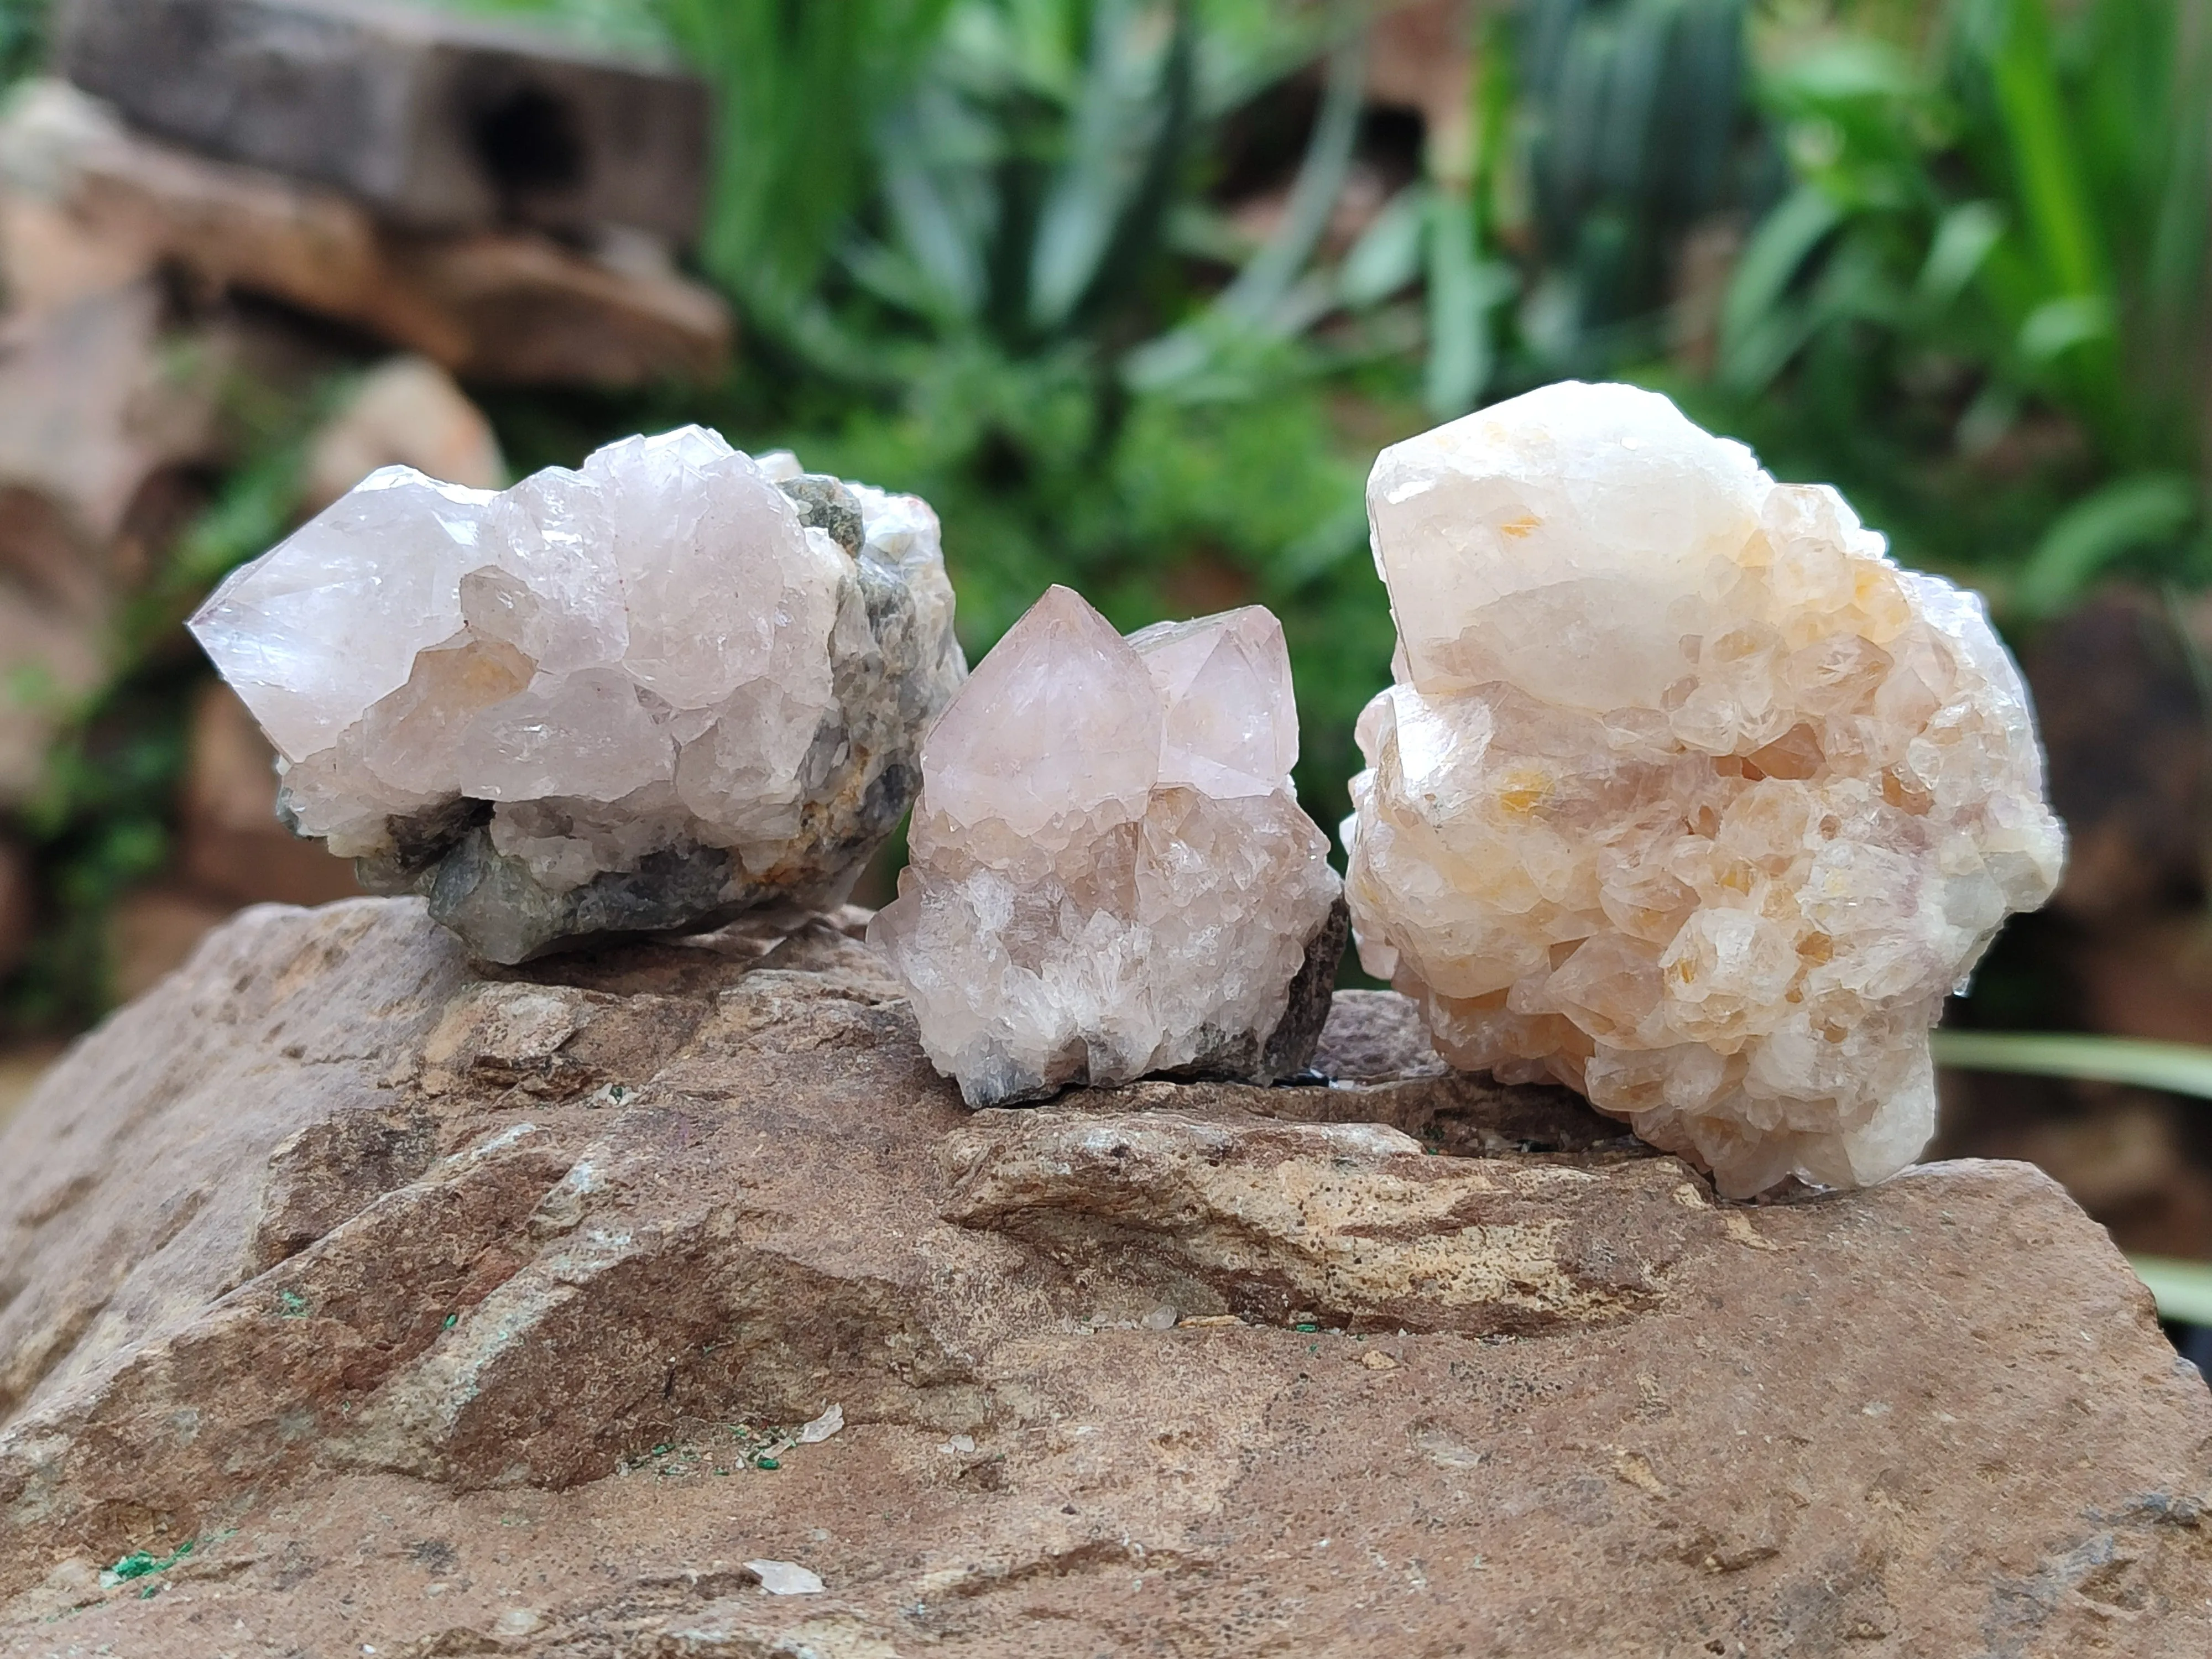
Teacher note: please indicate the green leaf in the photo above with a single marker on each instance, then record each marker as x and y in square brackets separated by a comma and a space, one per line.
[1777, 251]
[1463, 290]
[2056, 326]
[1127, 121]
[2181, 1068]
[2016, 34]
[1963, 239]
[1261, 286]
[2143, 510]
[2182, 1290]
[1387, 258]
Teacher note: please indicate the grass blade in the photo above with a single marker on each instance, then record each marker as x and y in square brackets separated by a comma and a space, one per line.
[2182, 1288]
[1261, 286]
[2145, 510]
[2181, 1068]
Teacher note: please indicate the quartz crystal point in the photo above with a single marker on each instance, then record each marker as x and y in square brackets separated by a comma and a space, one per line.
[1110, 875]
[1686, 796]
[673, 686]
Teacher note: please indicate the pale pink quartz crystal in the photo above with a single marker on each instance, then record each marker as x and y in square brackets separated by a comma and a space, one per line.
[675, 685]
[1686, 796]
[1110, 874]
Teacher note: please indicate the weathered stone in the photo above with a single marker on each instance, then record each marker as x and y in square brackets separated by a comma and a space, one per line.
[90, 206]
[439, 119]
[406, 412]
[373, 1273]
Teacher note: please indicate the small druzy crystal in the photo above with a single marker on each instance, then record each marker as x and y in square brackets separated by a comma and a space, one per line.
[673, 686]
[1110, 874]
[1686, 796]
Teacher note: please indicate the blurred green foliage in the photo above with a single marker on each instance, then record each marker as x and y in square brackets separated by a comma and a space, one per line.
[975, 247]
[22, 37]
[1981, 308]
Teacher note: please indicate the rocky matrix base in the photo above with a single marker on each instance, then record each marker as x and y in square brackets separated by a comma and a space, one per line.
[448, 1313]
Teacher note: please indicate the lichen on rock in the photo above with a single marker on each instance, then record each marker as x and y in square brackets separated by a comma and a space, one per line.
[1686, 796]
[650, 695]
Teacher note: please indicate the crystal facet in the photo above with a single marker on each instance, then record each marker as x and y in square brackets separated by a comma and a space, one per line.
[1110, 874]
[675, 685]
[1686, 796]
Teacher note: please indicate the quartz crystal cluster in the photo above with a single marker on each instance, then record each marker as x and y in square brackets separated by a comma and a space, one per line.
[672, 686]
[1686, 796]
[1110, 875]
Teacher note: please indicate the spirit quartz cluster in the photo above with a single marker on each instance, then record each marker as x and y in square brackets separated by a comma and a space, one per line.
[1686, 796]
[1110, 875]
[674, 686]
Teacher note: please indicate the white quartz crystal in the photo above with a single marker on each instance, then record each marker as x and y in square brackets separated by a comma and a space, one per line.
[1110, 874]
[1686, 797]
[650, 693]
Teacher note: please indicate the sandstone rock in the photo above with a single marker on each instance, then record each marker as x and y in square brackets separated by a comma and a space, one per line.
[447, 1312]
[440, 119]
[90, 206]
[405, 412]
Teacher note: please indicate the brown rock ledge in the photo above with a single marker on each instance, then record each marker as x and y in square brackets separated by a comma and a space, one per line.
[441, 1313]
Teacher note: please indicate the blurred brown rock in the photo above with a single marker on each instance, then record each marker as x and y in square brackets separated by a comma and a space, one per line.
[528, 312]
[1420, 55]
[151, 932]
[50, 658]
[233, 849]
[405, 412]
[90, 202]
[2123, 725]
[19, 905]
[22, 1064]
[436, 119]
[92, 404]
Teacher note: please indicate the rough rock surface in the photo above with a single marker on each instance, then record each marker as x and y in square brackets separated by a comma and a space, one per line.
[449, 1314]
[1686, 795]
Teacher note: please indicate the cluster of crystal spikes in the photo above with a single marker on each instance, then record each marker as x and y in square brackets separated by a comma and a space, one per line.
[1686, 795]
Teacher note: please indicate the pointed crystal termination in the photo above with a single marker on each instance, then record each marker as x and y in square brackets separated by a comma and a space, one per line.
[674, 686]
[1686, 797]
[1110, 875]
